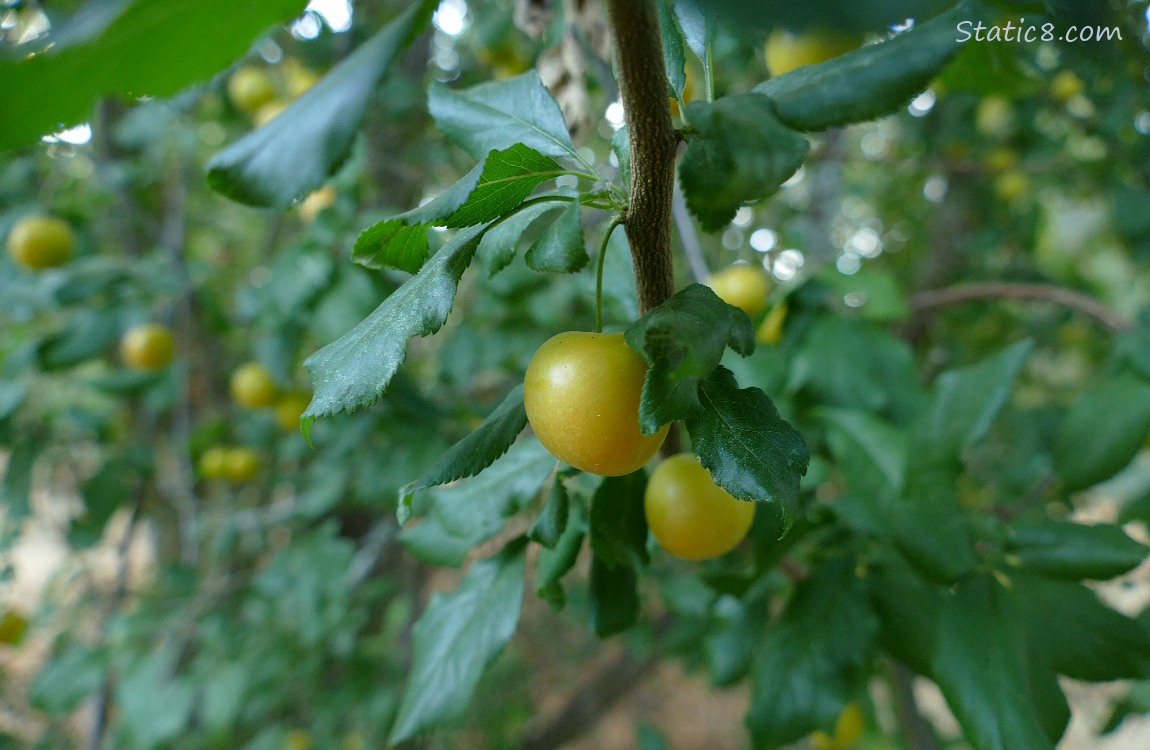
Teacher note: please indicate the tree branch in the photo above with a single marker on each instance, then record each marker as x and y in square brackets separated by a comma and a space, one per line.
[1058, 295]
[643, 89]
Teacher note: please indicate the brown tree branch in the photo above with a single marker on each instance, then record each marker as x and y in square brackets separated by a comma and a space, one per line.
[643, 90]
[1058, 295]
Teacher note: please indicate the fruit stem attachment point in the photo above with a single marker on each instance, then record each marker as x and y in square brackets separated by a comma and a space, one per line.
[615, 222]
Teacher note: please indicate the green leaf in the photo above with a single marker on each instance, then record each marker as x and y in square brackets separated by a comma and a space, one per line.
[499, 243]
[730, 642]
[869, 82]
[12, 394]
[697, 19]
[499, 114]
[103, 493]
[875, 294]
[930, 527]
[157, 705]
[812, 661]
[750, 450]
[1135, 702]
[474, 510]
[304, 145]
[614, 597]
[150, 48]
[965, 402]
[70, 676]
[353, 371]
[674, 58]
[1085, 639]
[552, 520]
[1102, 432]
[560, 248]
[16, 485]
[553, 564]
[739, 153]
[908, 609]
[508, 177]
[458, 635]
[1075, 551]
[392, 244]
[871, 453]
[481, 447]
[87, 335]
[683, 341]
[979, 661]
[448, 201]
[618, 522]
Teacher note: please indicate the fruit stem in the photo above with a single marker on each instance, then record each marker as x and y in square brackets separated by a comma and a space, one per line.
[615, 221]
[643, 89]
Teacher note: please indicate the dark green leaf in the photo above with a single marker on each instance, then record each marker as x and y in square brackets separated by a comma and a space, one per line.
[156, 703]
[448, 201]
[458, 635]
[1136, 702]
[508, 177]
[930, 527]
[474, 510]
[151, 48]
[1073, 550]
[683, 341]
[697, 21]
[554, 563]
[614, 597]
[552, 520]
[481, 447]
[108, 489]
[979, 662]
[499, 243]
[812, 661]
[16, 485]
[1102, 432]
[392, 244]
[12, 394]
[618, 523]
[750, 450]
[869, 82]
[353, 371]
[499, 114]
[739, 153]
[560, 248]
[304, 145]
[908, 609]
[1078, 635]
[87, 335]
[69, 677]
[673, 55]
[731, 641]
[871, 453]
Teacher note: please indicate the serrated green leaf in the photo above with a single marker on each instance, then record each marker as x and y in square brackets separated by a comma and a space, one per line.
[1102, 432]
[150, 48]
[455, 639]
[618, 524]
[304, 145]
[673, 56]
[750, 450]
[482, 446]
[1078, 634]
[499, 114]
[869, 82]
[508, 177]
[683, 341]
[552, 520]
[353, 371]
[1074, 551]
[475, 509]
[560, 248]
[553, 564]
[979, 661]
[614, 597]
[499, 243]
[392, 244]
[739, 153]
[812, 661]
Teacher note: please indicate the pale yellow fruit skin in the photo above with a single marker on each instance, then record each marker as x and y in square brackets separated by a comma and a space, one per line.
[268, 112]
[691, 516]
[253, 387]
[241, 464]
[315, 202]
[743, 285]
[581, 392]
[290, 408]
[848, 730]
[249, 89]
[786, 51]
[149, 346]
[213, 462]
[39, 241]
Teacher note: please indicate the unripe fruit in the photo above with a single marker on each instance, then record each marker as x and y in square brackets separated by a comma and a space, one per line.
[691, 516]
[149, 346]
[290, 408]
[249, 89]
[581, 392]
[253, 387]
[315, 202]
[39, 241]
[268, 112]
[241, 464]
[786, 51]
[848, 730]
[743, 285]
[213, 462]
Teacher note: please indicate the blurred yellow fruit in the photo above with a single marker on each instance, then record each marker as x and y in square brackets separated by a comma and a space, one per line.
[994, 116]
[786, 51]
[290, 408]
[1066, 86]
[268, 112]
[253, 387]
[13, 626]
[1012, 185]
[298, 77]
[848, 730]
[149, 346]
[743, 285]
[771, 329]
[315, 202]
[213, 462]
[250, 88]
[241, 464]
[1001, 159]
[40, 241]
[298, 739]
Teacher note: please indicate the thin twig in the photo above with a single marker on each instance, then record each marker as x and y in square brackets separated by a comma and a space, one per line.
[1058, 295]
